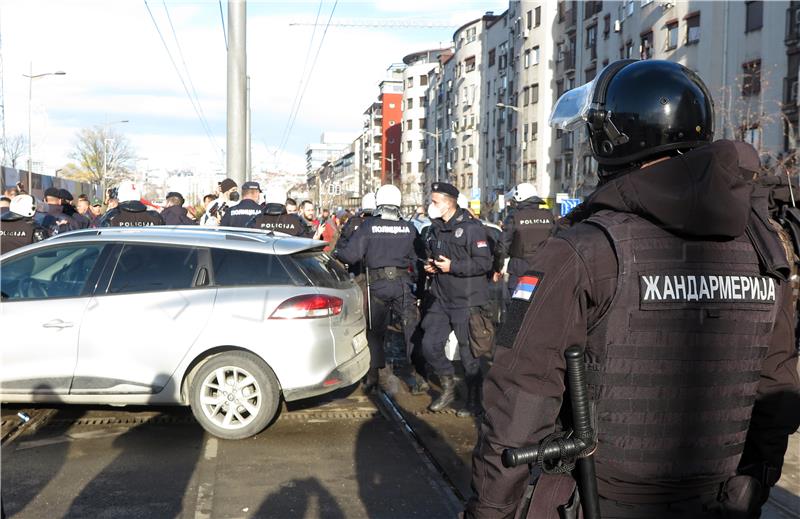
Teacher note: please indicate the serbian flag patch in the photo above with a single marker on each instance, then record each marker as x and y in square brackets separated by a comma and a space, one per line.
[481, 243]
[526, 287]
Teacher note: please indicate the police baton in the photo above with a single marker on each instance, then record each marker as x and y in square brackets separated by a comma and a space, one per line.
[369, 302]
[576, 448]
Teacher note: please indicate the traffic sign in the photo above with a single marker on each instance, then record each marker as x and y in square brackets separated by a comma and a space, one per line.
[568, 204]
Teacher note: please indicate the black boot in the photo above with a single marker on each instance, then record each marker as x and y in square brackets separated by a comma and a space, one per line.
[371, 381]
[448, 393]
[473, 406]
[420, 386]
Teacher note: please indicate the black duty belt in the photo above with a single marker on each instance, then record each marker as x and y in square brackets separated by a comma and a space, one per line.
[390, 273]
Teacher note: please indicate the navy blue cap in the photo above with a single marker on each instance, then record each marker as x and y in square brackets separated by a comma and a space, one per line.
[251, 185]
[445, 188]
[52, 191]
[64, 194]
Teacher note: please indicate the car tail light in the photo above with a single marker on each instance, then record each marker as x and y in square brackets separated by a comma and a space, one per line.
[308, 306]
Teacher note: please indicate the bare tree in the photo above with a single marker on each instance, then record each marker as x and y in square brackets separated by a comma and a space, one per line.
[13, 148]
[105, 155]
[73, 171]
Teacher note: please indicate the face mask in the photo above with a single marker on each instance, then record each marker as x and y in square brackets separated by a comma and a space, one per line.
[234, 196]
[433, 211]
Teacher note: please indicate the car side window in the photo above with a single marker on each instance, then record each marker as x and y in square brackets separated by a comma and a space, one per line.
[148, 268]
[54, 272]
[234, 268]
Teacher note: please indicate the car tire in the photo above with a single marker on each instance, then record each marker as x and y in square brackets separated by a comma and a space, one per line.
[234, 395]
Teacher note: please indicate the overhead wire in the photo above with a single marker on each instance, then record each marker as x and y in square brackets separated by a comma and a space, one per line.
[302, 78]
[180, 76]
[186, 69]
[222, 19]
[310, 73]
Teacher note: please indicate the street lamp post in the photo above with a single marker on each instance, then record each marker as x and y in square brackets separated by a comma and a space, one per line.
[436, 136]
[31, 77]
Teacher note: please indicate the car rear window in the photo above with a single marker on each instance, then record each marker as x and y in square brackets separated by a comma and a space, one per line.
[322, 270]
[234, 268]
[146, 268]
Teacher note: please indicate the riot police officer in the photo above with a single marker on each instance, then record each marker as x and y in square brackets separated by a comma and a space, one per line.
[352, 224]
[275, 218]
[131, 212]
[175, 213]
[674, 284]
[387, 246]
[458, 261]
[248, 208]
[17, 226]
[523, 231]
[54, 218]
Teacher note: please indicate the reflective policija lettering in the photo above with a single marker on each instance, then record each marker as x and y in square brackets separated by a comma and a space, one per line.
[390, 229]
[706, 287]
[13, 233]
[535, 221]
[136, 224]
[277, 225]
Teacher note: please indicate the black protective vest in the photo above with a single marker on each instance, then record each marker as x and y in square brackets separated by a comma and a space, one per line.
[674, 363]
[135, 219]
[532, 226]
[285, 223]
[18, 233]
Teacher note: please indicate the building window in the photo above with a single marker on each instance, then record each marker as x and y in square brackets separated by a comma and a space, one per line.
[526, 96]
[591, 36]
[606, 26]
[409, 103]
[471, 35]
[526, 59]
[751, 81]
[423, 102]
[672, 35]
[525, 132]
[629, 8]
[693, 28]
[560, 52]
[408, 167]
[491, 57]
[559, 88]
[410, 124]
[752, 136]
[628, 50]
[471, 151]
[422, 123]
[409, 145]
[410, 82]
[423, 80]
[754, 16]
[469, 180]
[469, 64]
[535, 55]
[646, 50]
[591, 72]
[537, 17]
[535, 93]
[529, 20]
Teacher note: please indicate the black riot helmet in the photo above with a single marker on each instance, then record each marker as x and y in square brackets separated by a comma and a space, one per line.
[638, 110]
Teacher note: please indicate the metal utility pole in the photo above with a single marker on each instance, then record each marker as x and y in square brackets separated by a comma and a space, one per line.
[237, 91]
[249, 166]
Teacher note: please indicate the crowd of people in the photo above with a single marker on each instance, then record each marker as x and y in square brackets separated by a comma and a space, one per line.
[676, 280]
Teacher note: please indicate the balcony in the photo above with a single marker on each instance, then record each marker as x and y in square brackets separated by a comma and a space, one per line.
[792, 26]
[790, 93]
[569, 60]
[376, 131]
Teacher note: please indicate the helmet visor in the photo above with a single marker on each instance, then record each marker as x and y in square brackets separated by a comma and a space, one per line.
[572, 107]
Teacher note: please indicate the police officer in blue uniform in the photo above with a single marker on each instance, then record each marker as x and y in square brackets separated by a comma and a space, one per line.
[131, 212]
[275, 218]
[388, 247]
[248, 208]
[524, 230]
[17, 226]
[458, 261]
[55, 213]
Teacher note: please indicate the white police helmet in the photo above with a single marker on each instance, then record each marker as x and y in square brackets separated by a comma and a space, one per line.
[525, 191]
[368, 202]
[462, 201]
[128, 192]
[388, 195]
[273, 195]
[23, 205]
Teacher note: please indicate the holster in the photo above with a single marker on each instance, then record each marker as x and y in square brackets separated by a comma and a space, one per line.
[554, 497]
[740, 498]
[390, 273]
[481, 331]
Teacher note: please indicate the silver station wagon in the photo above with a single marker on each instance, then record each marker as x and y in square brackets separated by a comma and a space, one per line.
[226, 320]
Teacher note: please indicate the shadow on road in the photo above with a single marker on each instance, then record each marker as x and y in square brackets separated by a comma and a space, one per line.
[294, 498]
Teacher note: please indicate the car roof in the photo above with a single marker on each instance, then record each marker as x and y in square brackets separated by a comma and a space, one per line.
[236, 238]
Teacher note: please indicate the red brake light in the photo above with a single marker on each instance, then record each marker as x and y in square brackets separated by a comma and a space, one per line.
[308, 306]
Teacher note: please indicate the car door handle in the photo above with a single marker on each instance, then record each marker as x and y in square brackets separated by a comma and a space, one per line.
[57, 323]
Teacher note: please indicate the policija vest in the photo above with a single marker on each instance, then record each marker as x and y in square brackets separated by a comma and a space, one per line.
[286, 223]
[136, 219]
[531, 227]
[674, 363]
[17, 233]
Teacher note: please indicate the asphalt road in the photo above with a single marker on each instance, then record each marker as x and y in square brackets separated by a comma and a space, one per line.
[342, 459]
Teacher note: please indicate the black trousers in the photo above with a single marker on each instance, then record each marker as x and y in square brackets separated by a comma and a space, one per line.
[437, 325]
[389, 297]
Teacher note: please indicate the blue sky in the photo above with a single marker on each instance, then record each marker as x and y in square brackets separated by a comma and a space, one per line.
[117, 68]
